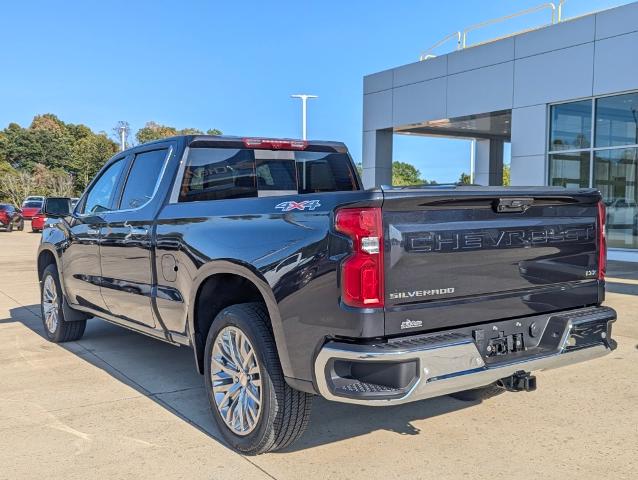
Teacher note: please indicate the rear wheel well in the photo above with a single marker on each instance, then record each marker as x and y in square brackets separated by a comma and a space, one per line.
[216, 293]
[45, 259]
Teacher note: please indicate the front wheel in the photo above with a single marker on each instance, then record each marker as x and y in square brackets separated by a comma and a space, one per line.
[56, 327]
[253, 406]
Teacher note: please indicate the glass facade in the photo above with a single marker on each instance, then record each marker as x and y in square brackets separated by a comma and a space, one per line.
[594, 143]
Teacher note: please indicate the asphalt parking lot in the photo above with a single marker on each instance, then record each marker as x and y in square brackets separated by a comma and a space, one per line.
[120, 405]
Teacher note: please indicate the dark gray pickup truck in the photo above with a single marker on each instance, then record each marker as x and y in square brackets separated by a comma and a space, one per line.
[289, 280]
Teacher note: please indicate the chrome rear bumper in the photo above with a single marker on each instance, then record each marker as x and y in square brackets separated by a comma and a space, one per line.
[447, 363]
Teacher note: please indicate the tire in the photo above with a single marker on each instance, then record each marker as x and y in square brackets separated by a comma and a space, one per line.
[478, 394]
[282, 414]
[21, 225]
[10, 226]
[56, 328]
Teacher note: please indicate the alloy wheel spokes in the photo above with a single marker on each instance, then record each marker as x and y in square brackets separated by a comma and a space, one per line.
[236, 380]
[50, 306]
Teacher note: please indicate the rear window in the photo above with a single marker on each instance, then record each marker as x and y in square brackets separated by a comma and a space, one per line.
[32, 205]
[225, 173]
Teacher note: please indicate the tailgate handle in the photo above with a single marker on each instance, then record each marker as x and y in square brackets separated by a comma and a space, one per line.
[507, 205]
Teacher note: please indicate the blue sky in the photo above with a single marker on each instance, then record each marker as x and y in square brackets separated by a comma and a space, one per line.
[232, 65]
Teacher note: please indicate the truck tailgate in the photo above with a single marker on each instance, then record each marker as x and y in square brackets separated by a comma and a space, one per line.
[470, 255]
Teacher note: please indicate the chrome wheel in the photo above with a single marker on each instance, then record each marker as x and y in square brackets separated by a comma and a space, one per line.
[236, 380]
[50, 307]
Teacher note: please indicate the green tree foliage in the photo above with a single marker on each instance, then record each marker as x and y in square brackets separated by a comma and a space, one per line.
[506, 175]
[16, 185]
[467, 180]
[87, 157]
[49, 155]
[404, 174]
[156, 131]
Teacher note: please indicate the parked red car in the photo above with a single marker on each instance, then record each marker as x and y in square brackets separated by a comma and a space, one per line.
[30, 208]
[37, 222]
[10, 217]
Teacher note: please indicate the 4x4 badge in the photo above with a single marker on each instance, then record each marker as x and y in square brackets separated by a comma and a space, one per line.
[305, 205]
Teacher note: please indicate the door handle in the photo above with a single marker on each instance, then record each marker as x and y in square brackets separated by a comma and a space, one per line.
[135, 232]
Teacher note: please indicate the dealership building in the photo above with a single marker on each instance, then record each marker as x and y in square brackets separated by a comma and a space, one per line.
[565, 96]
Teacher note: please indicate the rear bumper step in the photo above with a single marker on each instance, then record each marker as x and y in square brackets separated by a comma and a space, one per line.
[416, 368]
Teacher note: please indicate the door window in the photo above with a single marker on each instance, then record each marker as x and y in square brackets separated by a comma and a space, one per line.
[101, 194]
[142, 179]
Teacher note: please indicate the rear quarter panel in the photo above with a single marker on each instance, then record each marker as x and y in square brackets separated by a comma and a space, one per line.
[293, 255]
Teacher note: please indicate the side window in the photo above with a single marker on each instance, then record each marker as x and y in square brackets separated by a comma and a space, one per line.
[99, 197]
[142, 178]
[218, 174]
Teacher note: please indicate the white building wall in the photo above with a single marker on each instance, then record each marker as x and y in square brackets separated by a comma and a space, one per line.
[579, 58]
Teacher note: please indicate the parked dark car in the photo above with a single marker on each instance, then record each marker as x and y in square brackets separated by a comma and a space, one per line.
[30, 208]
[11, 217]
[289, 280]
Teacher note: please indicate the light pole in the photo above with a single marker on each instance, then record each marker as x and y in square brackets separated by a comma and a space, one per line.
[122, 137]
[304, 110]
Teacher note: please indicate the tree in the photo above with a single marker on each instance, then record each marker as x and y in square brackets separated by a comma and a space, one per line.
[59, 158]
[190, 131]
[506, 175]
[5, 167]
[15, 185]
[465, 178]
[155, 131]
[46, 141]
[404, 174]
[89, 155]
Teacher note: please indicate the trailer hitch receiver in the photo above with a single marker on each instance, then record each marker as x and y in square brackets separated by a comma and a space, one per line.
[519, 382]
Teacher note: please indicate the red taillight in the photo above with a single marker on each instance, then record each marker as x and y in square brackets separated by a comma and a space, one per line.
[602, 241]
[274, 144]
[362, 272]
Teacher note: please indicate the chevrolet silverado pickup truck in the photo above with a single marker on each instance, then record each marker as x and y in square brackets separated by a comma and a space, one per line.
[289, 280]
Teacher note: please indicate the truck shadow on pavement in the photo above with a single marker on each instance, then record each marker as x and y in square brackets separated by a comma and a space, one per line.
[166, 374]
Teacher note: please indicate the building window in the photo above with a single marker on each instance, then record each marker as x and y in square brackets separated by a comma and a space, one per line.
[594, 143]
[615, 177]
[571, 126]
[570, 169]
[617, 120]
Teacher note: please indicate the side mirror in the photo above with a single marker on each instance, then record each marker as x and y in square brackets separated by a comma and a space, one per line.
[57, 207]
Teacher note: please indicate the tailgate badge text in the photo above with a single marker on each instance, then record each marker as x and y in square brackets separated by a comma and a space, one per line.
[411, 324]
